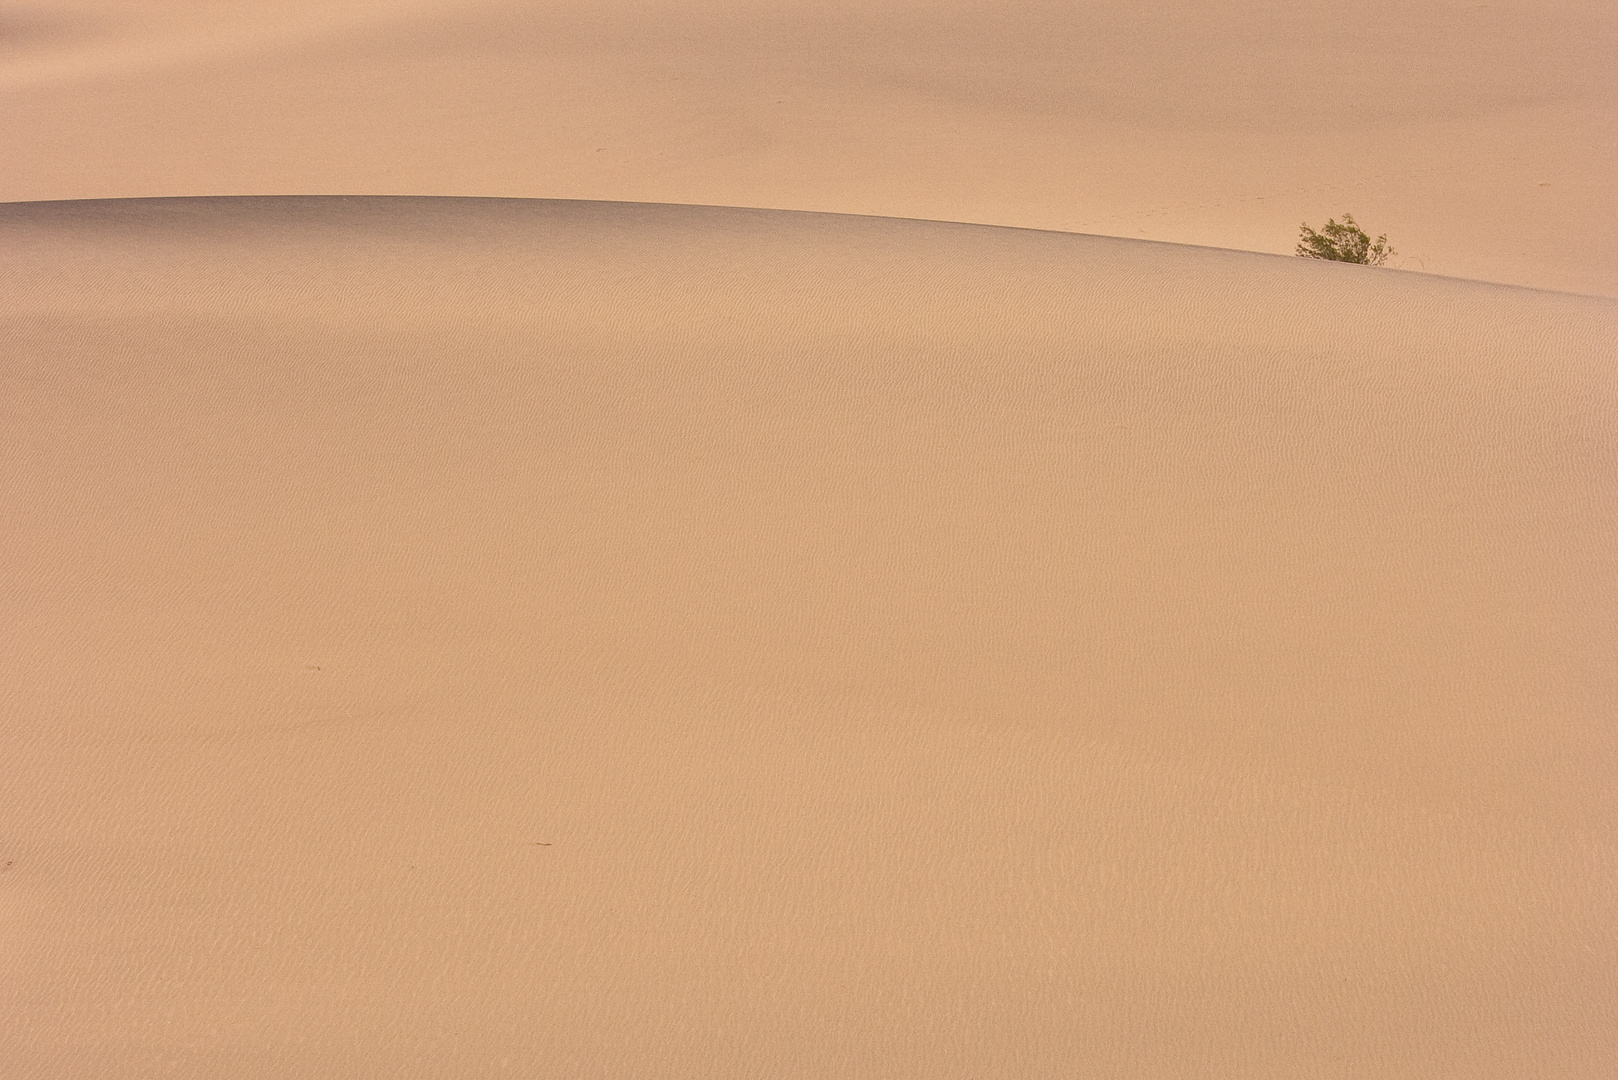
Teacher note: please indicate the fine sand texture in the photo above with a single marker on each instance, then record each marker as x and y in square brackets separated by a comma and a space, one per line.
[1479, 134]
[478, 637]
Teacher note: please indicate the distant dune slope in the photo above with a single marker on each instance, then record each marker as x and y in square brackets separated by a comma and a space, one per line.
[460, 637]
[1478, 135]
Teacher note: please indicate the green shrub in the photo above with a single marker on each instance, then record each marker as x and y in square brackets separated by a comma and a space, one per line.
[1343, 243]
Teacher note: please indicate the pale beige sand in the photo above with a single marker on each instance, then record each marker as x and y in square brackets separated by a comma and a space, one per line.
[926, 650]
[1480, 136]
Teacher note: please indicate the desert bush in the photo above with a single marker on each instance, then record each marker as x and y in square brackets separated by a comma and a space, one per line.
[1343, 243]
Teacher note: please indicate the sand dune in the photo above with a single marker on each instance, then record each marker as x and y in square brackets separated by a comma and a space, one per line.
[461, 637]
[1479, 136]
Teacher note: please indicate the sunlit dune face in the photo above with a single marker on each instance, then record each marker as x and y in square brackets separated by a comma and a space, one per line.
[459, 636]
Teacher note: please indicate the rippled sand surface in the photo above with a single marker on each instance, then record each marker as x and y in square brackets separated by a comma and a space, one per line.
[463, 637]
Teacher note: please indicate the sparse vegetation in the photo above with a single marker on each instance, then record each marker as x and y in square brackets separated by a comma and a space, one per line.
[1343, 243]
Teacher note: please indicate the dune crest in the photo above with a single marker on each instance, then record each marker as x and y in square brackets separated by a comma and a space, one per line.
[1477, 135]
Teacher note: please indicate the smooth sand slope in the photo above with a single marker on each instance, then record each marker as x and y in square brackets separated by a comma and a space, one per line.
[483, 637]
[1479, 135]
